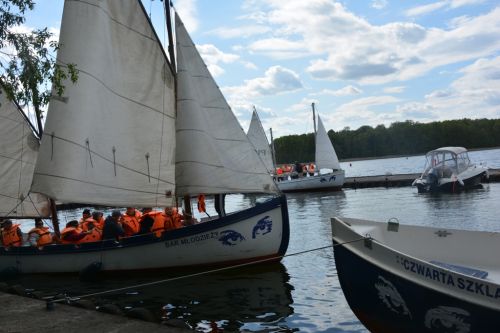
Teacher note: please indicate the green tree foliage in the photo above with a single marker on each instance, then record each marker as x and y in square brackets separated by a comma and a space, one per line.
[29, 72]
[400, 138]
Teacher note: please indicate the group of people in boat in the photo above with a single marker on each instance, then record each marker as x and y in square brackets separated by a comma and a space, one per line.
[92, 227]
[294, 171]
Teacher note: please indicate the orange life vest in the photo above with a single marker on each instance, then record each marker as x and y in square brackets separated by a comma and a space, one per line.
[44, 236]
[94, 236]
[164, 222]
[201, 204]
[85, 224]
[311, 168]
[67, 231]
[10, 236]
[279, 171]
[131, 223]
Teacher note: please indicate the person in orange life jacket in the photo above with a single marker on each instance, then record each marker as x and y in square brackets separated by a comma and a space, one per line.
[166, 221]
[112, 228]
[39, 235]
[72, 234]
[147, 220]
[98, 217]
[85, 215]
[11, 234]
[94, 234]
[130, 221]
[311, 169]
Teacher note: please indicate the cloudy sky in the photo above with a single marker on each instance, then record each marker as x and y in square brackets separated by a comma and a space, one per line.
[362, 62]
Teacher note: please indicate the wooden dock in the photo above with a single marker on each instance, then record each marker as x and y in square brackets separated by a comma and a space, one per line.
[397, 180]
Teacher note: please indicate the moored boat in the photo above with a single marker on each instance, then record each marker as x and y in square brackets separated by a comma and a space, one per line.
[449, 169]
[400, 278]
[138, 129]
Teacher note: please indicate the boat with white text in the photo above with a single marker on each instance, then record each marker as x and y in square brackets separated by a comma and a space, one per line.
[402, 278]
[449, 169]
[138, 129]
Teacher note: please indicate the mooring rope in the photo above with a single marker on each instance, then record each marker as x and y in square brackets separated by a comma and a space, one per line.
[76, 298]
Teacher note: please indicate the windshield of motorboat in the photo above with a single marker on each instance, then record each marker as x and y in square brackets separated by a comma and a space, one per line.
[441, 163]
[463, 162]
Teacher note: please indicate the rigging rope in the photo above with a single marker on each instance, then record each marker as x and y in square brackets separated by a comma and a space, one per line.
[76, 298]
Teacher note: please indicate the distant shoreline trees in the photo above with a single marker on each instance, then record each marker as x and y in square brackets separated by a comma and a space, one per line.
[400, 138]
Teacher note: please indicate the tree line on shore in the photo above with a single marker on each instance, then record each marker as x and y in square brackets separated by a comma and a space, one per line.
[400, 138]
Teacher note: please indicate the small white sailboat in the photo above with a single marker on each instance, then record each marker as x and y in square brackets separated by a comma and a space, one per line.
[449, 169]
[137, 130]
[402, 278]
[258, 138]
[328, 176]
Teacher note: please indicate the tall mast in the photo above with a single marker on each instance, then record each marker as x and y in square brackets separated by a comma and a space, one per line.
[314, 118]
[171, 52]
[273, 152]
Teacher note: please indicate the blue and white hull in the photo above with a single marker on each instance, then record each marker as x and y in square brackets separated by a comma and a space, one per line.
[256, 233]
[418, 279]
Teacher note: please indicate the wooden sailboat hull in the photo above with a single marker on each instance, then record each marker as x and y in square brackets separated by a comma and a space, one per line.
[255, 233]
[393, 291]
[329, 181]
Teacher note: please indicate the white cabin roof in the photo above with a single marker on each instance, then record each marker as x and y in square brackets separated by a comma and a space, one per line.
[455, 150]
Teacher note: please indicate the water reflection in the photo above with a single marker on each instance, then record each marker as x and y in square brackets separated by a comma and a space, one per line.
[255, 298]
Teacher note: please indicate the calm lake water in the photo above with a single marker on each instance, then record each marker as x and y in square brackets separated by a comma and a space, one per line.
[302, 293]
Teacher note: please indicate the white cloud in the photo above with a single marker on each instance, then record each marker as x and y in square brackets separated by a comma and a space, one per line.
[239, 32]
[213, 56]
[449, 4]
[345, 91]
[394, 90]
[276, 80]
[379, 4]
[188, 12]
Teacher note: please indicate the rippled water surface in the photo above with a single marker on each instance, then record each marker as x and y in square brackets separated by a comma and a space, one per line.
[302, 293]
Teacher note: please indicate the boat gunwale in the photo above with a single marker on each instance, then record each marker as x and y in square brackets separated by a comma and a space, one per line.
[150, 238]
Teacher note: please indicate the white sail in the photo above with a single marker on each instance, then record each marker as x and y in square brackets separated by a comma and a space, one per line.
[257, 137]
[213, 152]
[18, 152]
[326, 158]
[111, 139]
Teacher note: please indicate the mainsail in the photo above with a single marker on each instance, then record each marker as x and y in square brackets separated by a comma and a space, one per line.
[213, 153]
[257, 137]
[326, 158]
[110, 139]
[18, 153]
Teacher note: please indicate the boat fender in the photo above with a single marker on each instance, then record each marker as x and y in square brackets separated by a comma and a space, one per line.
[110, 308]
[142, 314]
[9, 273]
[92, 272]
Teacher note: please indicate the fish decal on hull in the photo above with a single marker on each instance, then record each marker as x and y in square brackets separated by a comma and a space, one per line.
[265, 224]
[447, 319]
[390, 297]
[231, 237]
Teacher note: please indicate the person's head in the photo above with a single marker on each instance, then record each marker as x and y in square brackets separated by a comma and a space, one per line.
[130, 211]
[38, 222]
[72, 224]
[168, 211]
[116, 214]
[86, 213]
[146, 210]
[96, 215]
[7, 224]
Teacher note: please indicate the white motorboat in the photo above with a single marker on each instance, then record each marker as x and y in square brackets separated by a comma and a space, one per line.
[449, 169]
[401, 278]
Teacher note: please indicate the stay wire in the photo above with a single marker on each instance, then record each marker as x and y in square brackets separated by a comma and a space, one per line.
[76, 298]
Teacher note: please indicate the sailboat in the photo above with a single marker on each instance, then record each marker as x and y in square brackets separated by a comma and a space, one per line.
[328, 175]
[141, 129]
[258, 138]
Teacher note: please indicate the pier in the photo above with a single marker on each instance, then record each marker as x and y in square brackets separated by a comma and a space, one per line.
[23, 314]
[396, 180]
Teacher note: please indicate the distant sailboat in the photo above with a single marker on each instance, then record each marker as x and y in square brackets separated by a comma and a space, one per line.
[122, 136]
[258, 138]
[328, 176]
